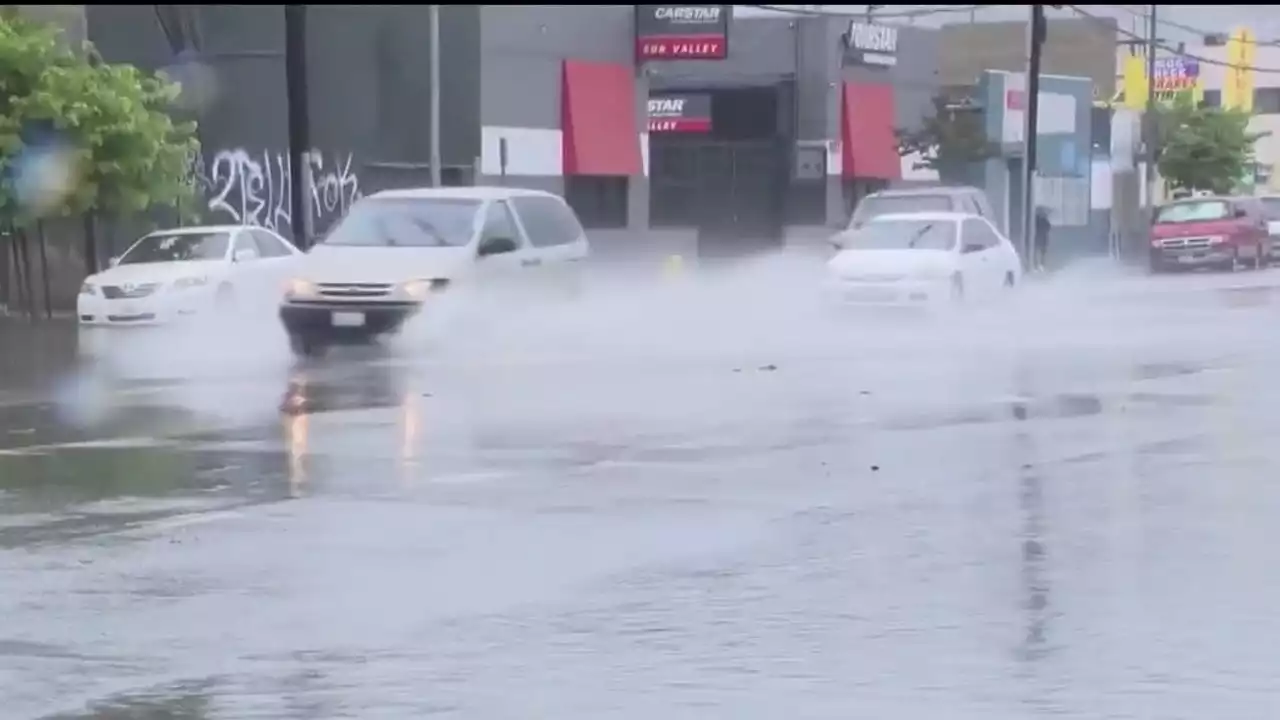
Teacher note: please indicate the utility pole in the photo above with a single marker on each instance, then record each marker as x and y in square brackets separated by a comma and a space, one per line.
[1030, 130]
[1150, 131]
[433, 32]
[295, 74]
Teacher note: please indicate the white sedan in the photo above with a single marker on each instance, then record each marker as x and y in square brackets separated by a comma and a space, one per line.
[921, 259]
[169, 274]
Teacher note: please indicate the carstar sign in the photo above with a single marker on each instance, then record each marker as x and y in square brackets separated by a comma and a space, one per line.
[684, 113]
[682, 32]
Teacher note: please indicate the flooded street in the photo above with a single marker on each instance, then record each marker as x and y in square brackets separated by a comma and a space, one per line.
[706, 500]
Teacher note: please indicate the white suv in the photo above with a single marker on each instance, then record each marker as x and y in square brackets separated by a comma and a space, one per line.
[391, 254]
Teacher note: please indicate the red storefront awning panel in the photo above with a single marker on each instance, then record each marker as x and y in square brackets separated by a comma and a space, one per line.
[870, 145]
[598, 118]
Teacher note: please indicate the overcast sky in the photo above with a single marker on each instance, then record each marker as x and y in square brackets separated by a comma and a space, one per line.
[1211, 18]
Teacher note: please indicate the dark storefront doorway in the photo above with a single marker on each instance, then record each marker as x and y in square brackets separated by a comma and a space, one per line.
[728, 184]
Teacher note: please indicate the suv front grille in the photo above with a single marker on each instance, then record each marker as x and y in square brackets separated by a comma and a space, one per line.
[1186, 242]
[355, 291]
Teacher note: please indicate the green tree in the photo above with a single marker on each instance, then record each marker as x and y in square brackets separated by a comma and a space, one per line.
[1203, 148]
[117, 149]
[950, 140]
[125, 151]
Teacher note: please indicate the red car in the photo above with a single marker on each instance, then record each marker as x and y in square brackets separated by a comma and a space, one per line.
[1224, 232]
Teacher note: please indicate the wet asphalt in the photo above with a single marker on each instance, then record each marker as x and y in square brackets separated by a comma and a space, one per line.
[683, 502]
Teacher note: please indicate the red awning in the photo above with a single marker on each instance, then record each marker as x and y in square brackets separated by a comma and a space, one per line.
[601, 135]
[870, 146]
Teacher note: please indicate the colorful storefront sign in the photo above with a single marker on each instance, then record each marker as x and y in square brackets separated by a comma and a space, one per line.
[1176, 76]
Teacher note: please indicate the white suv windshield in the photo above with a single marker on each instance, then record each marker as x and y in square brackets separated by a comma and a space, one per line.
[407, 222]
[877, 205]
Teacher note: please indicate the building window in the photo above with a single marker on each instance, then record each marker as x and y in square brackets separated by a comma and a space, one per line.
[1266, 101]
[1212, 98]
[601, 202]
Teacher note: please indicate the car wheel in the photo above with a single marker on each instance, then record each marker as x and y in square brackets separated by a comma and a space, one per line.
[225, 298]
[1234, 263]
[957, 289]
[305, 347]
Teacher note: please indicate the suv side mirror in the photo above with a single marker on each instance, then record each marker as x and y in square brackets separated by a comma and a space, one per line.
[496, 246]
[1240, 212]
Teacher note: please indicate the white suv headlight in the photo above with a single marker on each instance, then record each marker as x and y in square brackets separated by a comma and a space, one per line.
[299, 287]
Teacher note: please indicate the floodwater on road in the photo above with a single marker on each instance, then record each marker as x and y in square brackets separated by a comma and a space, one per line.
[715, 498]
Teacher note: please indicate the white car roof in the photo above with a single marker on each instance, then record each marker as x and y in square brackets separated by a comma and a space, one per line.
[938, 216]
[480, 192]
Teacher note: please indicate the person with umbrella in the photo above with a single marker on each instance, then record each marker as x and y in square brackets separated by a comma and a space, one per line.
[1041, 239]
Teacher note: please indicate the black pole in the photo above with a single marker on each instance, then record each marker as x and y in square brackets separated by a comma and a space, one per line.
[15, 252]
[29, 295]
[295, 69]
[5, 271]
[1032, 110]
[90, 243]
[1150, 133]
[42, 237]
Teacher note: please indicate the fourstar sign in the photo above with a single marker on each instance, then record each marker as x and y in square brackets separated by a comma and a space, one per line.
[870, 44]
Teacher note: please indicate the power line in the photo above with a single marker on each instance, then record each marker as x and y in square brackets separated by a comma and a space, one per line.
[1169, 49]
[1202, 33]
[920, 12]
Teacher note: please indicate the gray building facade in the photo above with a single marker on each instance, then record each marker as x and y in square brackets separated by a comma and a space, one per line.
[795, 129]
[504, 75]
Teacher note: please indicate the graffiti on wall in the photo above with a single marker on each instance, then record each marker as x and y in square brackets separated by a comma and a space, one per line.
[252, 188]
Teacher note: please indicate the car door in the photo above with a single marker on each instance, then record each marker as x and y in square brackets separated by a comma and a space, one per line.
[508, 268]
[977, 260]
[556, 238]
[276, 259]
[1005, 261]
[245, 272]
[1256, 216]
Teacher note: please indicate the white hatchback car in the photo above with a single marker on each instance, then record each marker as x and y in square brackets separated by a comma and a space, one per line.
[179, 272]
[395, 250]
[922, 258]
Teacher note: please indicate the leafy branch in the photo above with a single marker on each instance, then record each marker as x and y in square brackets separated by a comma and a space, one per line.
[949, 140]
[1204, 148]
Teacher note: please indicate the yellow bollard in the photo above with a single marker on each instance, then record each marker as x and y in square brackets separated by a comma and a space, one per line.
[673, 267]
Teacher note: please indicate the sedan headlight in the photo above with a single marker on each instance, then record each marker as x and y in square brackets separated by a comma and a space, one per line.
[190, 282]
[299, 288]
[420, 289]
[88, 288]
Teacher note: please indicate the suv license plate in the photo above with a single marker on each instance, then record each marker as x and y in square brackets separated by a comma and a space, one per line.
[348, 319]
